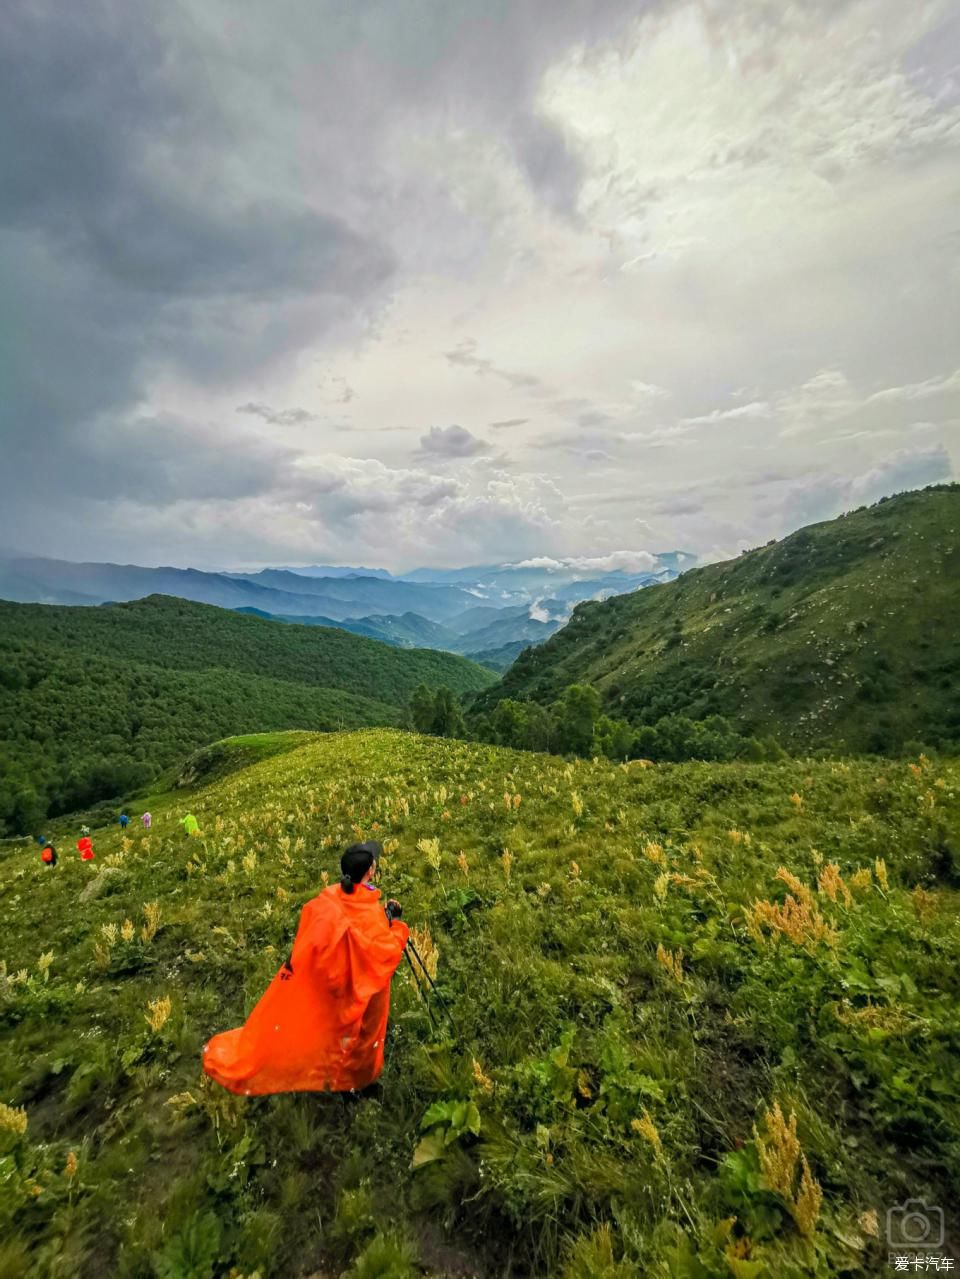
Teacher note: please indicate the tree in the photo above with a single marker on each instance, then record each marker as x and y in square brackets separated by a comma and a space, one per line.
[422, 709]
[578, 711]
[447, 716]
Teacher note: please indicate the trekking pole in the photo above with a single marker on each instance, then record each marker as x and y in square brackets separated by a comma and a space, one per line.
[420, 990]
[433, 985]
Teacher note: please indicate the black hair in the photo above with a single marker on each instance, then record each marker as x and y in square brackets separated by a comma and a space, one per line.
[356, 861]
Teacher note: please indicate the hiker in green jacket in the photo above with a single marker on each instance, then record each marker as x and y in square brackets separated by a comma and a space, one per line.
[190, 824]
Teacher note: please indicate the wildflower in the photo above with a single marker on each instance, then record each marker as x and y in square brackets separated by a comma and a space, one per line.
[799, 921]
[796, 800]
[109, 933]
[577, 804]
[869, 1223]
[543, 890]
[151, 914]
[127, 930]
[506, 861]
[880, 867]
[861, 878]
[796, 886]
[427, 948]
[249, 862]
[463, 863]
[648, 1130]
[654, 853]
[925, 903]
[779, 1154]
[483, 1081]
[830, 882]
[70, 1170]
[44, 962]
[507, 800]
[101, 955]
[583, 1085]
[431, 850]
[13, 1119]
[660, 886]
[182, 1100]
[516, 801]
[574, 870]
[159, 1010]
[670, 962]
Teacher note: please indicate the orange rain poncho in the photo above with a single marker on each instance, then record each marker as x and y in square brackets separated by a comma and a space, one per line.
[321, 1023]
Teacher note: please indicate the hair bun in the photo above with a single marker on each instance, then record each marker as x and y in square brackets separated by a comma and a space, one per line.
[346, 883]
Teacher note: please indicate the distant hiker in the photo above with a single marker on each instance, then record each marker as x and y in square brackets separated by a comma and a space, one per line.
[124, 820]
[190, 824]
[85, 849]
[146, 819]
[48, 855]
[321, 1023]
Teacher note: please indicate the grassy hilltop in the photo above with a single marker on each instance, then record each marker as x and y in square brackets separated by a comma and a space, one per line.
[652, 974]
[844, 636]
[96, 701]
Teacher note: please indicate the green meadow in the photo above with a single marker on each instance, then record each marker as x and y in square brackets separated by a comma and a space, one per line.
[703, 1021]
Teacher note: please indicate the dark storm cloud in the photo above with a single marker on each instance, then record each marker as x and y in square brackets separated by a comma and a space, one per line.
[452, 442]
[277, 417]
[127, 244]
[195, 190]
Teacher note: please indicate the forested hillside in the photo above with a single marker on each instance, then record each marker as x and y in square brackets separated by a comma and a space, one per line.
[844, 636]
[95, 701]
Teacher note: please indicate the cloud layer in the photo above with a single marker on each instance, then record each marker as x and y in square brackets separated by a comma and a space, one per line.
[415, 283]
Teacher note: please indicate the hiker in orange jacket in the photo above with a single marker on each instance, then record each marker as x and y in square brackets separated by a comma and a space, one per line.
[321, 1023]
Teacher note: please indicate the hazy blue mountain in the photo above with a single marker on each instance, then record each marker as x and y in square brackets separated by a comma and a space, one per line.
[500, 659]
[368, 594]
[333, 570]
[407, 631]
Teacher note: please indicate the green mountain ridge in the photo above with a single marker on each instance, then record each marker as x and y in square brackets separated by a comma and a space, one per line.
[843, 636]
[96, 701]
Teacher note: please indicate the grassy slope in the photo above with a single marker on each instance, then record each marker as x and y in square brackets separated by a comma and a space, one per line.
[569, 1032]
[844, 635]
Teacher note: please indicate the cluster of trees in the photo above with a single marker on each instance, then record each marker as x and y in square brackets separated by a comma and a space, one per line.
[574, 725]
[437, 712]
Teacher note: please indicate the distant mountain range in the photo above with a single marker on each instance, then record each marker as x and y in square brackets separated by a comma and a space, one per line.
[496, 610]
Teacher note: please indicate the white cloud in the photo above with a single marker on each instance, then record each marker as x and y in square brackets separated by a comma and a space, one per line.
[934, 386]
[752, 411]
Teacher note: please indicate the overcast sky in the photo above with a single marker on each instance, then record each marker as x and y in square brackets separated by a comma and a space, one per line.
[429, 281]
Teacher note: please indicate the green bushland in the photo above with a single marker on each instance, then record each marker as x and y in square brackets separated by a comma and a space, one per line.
[626, 1019]
[844, 636]
[95, 702]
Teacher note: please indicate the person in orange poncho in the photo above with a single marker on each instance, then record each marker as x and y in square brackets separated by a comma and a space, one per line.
[320, 1025]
